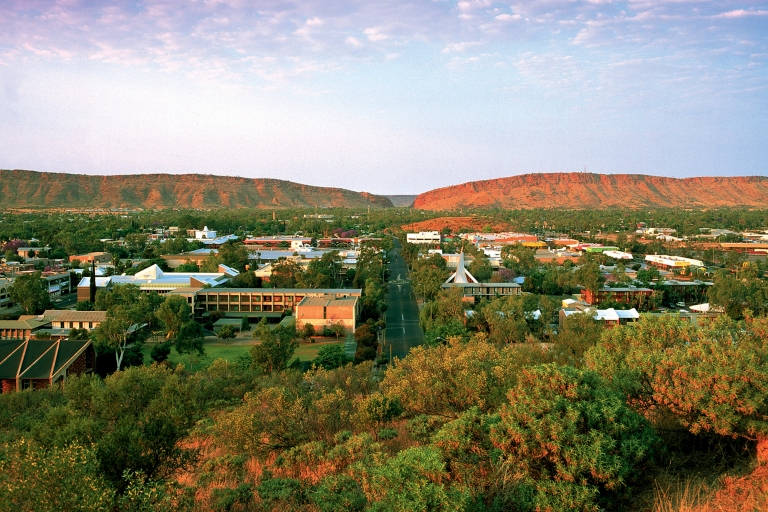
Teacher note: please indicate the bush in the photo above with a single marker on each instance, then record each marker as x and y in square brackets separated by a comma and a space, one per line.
[227, 332]
[160, 352]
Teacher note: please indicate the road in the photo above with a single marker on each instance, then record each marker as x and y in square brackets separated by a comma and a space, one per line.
[403, 330]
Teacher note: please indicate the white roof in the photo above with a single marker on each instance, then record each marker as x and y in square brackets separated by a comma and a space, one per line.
[609, 315]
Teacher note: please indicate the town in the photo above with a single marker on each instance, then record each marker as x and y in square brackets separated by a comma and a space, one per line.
[371, 294]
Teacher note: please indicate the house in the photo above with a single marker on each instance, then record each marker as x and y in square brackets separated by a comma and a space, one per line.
[328, 310]
[36, 364]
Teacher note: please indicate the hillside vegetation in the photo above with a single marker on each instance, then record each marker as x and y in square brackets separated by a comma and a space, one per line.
[582, 191]
[20, 188]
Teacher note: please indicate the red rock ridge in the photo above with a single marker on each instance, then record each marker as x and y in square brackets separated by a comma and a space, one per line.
[582, 190]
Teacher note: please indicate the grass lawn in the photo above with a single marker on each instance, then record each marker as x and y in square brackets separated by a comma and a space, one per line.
[230, 351]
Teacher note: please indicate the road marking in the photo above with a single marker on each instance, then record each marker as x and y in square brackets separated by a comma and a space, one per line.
[403, 329]
[402, 317]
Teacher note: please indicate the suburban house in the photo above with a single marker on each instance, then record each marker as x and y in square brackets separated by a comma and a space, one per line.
[36, 364]
[328, 310]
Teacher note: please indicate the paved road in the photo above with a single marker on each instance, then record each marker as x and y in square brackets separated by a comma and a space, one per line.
[403, 330]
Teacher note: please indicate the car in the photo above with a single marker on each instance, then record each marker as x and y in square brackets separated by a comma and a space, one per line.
[680, 304]
[58, 300]
[662, 310]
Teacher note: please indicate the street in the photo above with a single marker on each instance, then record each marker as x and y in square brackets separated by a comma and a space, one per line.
[403, 329]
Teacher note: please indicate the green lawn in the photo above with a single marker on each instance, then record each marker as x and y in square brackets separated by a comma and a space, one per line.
[218, 350]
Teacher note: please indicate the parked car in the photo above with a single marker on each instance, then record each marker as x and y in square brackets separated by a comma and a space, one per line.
[680, 304]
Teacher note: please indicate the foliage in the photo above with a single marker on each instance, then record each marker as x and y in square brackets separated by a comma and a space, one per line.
[227, 332]
[275, 348]
[66, 478]
[190, 339]
[367, 342]
[78, 334]
[173, 312]
[307, 330]
[84, 305]
[331, 356]
[160, 352]
[285, 274]
[565, 439]
[448, 379]
[580, 332]
[30, 291]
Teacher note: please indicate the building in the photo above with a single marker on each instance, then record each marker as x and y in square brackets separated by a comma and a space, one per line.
[610, 317]
[5, 295]
[23, 328]
[154, 279]
[618, 255]
[424, 237]
[205, 234]
[473, 290]
[254, 302]
[87, 320]
[667, 262]
[624, 295]
[287, 242]
[325, 311]
[98, 257]
[37, 364]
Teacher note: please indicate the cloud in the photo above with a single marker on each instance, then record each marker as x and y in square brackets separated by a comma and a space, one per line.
[741, 13]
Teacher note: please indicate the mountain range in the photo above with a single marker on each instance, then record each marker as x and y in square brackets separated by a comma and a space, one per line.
[31, 189]
[585, 190]
[55, 190]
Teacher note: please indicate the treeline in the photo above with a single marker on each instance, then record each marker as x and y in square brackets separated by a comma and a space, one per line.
[470, 424]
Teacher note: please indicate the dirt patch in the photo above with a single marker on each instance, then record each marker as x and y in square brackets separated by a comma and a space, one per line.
[456, 224]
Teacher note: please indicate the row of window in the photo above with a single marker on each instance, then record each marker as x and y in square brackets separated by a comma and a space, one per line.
[247, 308]
[212, 298]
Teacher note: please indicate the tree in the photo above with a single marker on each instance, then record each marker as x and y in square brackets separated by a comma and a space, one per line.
[307, 330]
[246, 279]
[160, 352]
[590, 276]
[234, 254]
[188, 266]
[84, 305]
[227, 332]
[367, 343]
[190, 339]
[112, 334]
[285, 274]
[173, 313]
[78, 334]
[565, 439]
[30, 291]
[274, 350]
[331, 356]
[481, 268]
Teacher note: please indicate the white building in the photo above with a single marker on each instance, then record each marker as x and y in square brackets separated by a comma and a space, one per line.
[205, 234]
[667, 262]
[423, 237]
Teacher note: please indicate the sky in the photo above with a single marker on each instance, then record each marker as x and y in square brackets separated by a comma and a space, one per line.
[388, 97]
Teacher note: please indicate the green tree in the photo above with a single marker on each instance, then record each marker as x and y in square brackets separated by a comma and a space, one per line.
[227, 332]
[331, 357]
[190, 339]
[565, 439]
[30, 291]
[285, 274]
[590, 276]
[173, 313]
[188, 266]
[275, 348]
[307, 330]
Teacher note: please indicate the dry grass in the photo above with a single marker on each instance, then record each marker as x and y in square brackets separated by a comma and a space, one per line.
[748, 493]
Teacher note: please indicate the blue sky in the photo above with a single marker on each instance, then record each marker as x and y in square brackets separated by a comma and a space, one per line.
[390, 97]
